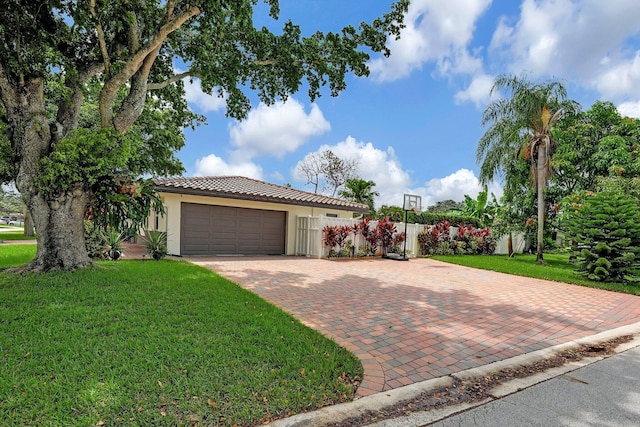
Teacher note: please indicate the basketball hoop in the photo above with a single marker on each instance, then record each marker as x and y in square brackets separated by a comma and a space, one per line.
[412, 203]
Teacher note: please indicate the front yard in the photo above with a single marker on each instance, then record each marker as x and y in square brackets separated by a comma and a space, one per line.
[155, 343]
[557, 268]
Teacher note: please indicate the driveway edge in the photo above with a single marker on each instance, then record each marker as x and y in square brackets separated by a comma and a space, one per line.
[344, 411]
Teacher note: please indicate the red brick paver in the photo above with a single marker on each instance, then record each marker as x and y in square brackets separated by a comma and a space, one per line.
[412, 321]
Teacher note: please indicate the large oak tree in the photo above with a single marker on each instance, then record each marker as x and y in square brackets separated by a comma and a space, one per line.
[56, 53]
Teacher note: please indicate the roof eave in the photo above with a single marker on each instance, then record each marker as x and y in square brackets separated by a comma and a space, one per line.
[257, 198]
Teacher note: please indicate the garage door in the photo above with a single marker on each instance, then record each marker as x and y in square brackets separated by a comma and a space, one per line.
[222, 230]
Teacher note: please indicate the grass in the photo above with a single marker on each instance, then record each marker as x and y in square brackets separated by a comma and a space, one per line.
[155, 343]
[14, 255]
[14, 235]
[557, 268]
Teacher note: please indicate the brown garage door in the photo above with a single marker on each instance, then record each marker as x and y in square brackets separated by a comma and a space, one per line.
[222, 230]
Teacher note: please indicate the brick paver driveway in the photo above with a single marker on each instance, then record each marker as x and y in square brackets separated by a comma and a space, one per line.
[416, 320]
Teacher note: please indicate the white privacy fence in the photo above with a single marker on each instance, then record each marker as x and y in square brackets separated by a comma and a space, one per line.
[309, 235]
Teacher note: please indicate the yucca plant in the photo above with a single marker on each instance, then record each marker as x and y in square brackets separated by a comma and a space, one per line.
[156, 243]
[114, 240]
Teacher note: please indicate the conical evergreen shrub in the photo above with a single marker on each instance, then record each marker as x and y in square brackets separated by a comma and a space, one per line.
[605, 234]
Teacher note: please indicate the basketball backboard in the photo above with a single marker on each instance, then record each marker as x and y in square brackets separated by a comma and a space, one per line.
[412, 202]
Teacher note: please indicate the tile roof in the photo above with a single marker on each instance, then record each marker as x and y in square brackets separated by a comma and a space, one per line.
[240, 187]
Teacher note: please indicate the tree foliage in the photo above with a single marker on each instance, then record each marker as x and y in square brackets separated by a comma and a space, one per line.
[360, 191]
[89, 92]
[520, 124]
[10, 202]
[594, 144]
[605, 230]
[327, 172]
[444, 206]
[480, 208]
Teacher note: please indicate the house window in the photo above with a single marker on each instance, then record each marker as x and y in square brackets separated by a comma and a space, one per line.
[331, 215]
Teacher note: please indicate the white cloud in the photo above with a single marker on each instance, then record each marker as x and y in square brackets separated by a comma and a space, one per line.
[276, 130]
[392, 181]
[379, 166]
[204, 101]
[583, 40]
[630, 109]
[436, 31]
[213, 165]
[478, 92]
[453, 187]
[621, 79]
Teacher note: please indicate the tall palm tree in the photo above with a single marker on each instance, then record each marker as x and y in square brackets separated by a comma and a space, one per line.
[360, 191]
[519, 123]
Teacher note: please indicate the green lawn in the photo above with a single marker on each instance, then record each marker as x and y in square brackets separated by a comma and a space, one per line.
[13, 255]
[14, 235]
[155, 343]
[557, 268]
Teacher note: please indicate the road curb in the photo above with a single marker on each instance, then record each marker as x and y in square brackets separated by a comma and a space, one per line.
[374, 402]
[385, 399]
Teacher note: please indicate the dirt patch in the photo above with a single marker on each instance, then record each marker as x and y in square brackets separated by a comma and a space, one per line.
[477, 389]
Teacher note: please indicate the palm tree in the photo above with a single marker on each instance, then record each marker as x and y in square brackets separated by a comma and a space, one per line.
[360, 191]
[521, 123]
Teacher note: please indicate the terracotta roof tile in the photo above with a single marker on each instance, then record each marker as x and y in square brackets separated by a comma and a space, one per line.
[240, 187]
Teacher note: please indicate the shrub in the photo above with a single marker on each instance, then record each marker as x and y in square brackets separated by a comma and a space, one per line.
[329, 238]
[605, 235]
[445, 248]
[336, 236]
[424, 242]
[398, 239]
[114, 242]
[95, 241]
[468, 240]
[155, 243]
[436, 217]
[342, 233]
[430, 239]
[385, 233]
[475, 240]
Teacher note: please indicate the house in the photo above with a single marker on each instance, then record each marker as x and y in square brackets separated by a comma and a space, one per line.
[235, 215]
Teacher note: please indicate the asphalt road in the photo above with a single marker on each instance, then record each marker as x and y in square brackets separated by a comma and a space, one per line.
[605, 393]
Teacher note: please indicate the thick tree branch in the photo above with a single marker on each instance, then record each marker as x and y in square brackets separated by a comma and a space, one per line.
[110, 88]
[101, 39]
[266, 62]
[171, 4]
[8, 91]
[133, 104]
[171, 80]
[69, 110]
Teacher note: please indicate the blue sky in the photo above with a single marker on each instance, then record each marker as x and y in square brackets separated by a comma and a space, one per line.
[414, 124]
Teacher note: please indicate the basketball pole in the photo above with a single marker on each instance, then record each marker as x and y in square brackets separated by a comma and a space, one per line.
[406, 216]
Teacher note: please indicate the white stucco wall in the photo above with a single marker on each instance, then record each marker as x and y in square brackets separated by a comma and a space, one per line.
[171, 221]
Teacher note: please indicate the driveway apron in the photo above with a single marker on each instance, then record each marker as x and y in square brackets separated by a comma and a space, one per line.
[422, 319]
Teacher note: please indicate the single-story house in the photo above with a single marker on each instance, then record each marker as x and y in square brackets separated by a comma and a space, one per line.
[235, 215]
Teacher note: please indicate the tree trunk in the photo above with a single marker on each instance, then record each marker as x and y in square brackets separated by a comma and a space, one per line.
[58, 217]
[510, 245]
[541, 184]
[28, 224]
[59, 232]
